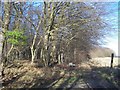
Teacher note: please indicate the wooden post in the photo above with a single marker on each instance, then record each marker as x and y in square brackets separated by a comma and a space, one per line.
[112, 56]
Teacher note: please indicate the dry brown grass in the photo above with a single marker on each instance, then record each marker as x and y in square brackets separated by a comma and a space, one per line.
[105, 61]
[21, 74]
[24, 75]
[85, 66]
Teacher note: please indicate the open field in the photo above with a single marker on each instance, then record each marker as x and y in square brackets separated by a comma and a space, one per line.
[105, 61]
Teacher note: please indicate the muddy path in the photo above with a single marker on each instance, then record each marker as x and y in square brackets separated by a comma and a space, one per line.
[90, 80]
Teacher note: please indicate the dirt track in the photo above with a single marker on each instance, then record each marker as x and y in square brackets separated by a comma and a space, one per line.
[92, 79]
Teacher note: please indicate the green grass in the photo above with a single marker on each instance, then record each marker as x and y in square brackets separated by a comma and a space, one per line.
[72, 79]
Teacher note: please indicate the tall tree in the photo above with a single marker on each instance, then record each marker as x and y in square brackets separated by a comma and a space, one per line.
[5, 27]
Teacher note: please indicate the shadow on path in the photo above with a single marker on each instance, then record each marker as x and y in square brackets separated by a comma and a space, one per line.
[90, 80]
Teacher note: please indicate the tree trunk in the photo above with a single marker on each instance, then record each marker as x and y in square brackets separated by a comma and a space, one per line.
[7, 12]
[33, 55]
[1, 64]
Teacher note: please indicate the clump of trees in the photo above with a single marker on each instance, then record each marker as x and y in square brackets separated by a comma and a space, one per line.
[101, 52]
[49, 32]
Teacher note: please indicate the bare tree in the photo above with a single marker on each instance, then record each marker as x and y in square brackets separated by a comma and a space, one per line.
[5, 27]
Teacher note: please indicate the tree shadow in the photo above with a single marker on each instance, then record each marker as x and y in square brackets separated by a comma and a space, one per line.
[47, 82]
[104, 78]
[13, 79]
[74, 83]
[94, 79]
[63, 84]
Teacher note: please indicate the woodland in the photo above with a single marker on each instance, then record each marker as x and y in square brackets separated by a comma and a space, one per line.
[41, 39]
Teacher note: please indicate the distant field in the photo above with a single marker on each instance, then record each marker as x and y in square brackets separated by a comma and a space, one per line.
[105, 61]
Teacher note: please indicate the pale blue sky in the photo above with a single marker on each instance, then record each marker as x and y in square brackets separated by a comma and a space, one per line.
[112, 20]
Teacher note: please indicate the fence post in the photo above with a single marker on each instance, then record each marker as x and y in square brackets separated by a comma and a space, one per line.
[112, 56]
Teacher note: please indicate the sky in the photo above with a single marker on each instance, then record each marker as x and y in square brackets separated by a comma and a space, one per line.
[112, 19]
